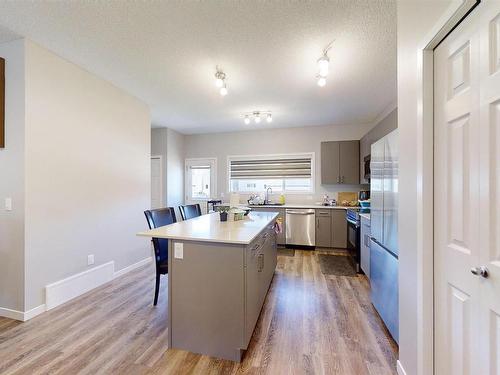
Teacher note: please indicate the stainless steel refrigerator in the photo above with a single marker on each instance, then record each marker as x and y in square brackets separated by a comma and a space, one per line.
[384, 250]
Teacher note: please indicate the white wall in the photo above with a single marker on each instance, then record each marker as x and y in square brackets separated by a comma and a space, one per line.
[417, 22]
[12, 180]
[383, 127]
[170, 144]
[273, 141]
[175, 168]
[159, 148]
[87, 172]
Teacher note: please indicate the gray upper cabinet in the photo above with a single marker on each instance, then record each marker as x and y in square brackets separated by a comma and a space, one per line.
[349, 162]
[330, 167]
[340, 162]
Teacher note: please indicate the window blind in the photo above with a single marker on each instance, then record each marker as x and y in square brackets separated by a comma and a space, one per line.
[271, 168]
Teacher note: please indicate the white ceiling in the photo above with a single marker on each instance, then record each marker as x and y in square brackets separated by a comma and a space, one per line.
[165, 53]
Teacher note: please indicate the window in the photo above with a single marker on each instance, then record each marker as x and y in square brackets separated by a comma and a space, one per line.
[283, 173]
[200, 179]
[200, 182]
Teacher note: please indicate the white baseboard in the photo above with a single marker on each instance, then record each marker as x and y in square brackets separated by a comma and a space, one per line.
[34, 312]
[20, 315]
[64, 290]
[11, 314]
[401, 370]
[132, 267]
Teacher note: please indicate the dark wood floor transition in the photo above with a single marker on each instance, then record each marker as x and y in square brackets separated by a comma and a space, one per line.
[310, 324]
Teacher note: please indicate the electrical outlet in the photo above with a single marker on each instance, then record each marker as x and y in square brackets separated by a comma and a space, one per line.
[8, 204]
[179, 250]
[90, 259]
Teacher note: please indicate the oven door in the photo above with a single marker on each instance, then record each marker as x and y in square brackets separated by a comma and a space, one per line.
[353, 234]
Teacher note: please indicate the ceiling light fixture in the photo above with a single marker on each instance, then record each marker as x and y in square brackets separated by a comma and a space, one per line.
[220, 81]
[323, 65]
[257, 117]
[223, 90]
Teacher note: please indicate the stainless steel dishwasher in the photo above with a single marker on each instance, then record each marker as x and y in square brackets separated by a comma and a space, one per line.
[300, 227]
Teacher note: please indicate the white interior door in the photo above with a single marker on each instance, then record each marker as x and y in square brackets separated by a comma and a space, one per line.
[156, 182]
[200, 181]
[467, 180]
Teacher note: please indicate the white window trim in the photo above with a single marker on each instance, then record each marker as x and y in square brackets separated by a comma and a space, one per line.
[200, 160]
[312, 155]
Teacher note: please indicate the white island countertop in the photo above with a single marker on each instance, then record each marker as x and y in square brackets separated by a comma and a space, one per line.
[209, 228]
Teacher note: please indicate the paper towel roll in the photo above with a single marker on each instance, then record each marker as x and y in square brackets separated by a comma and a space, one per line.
[234, 200]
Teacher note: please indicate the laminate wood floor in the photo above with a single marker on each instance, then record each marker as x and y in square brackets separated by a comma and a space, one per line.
[310, 324]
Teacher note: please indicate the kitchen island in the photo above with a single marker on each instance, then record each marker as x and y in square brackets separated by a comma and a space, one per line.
[219, 275]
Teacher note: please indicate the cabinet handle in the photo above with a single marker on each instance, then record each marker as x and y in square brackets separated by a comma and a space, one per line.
[260, 262]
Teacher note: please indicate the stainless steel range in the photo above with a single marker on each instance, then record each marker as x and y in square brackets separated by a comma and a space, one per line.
[353, 235]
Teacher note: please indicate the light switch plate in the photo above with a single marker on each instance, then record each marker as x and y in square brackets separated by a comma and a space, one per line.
[179, 250]
[8, 204]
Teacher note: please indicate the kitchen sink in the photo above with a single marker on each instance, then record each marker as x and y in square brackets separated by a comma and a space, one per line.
[266, 204]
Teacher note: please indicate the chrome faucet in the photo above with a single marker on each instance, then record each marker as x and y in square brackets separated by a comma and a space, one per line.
[266, 201]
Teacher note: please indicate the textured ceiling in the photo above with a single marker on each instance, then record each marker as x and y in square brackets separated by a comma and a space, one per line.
[165, 53]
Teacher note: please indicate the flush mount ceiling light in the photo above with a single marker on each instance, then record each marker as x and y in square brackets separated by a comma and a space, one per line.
[257, 117]
[323, 66]
[220, 81]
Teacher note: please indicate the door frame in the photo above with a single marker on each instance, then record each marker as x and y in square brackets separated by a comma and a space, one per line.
[455, 13]
[213, 193]
[162, 182]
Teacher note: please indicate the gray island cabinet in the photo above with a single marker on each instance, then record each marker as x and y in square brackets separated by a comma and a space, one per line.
[219, 275]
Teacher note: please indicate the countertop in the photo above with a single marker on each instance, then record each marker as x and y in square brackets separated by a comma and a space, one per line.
[209, 228]
[315, 206]
[366, 216]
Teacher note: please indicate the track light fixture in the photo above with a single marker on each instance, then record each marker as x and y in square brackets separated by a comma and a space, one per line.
[257, 117]
[220, 81]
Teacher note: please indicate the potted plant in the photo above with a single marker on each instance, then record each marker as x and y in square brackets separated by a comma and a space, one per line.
[223, 211]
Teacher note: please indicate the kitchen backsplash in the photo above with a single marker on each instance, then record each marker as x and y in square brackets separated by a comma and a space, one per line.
[303, 198]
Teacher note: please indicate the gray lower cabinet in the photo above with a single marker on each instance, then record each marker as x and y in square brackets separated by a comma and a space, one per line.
[221, 287]
[340, 162]
[280, 237]
[252, 288]
[339, 229]
[365, 246]
[323, 228]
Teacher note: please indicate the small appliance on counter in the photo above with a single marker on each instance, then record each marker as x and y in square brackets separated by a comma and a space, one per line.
[327, 201]
[364, 195]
